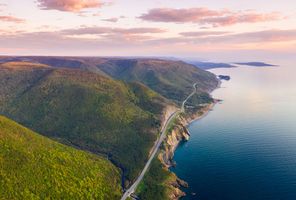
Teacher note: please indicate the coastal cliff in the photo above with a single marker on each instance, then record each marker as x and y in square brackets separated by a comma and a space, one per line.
[177, 133]
[160, 183]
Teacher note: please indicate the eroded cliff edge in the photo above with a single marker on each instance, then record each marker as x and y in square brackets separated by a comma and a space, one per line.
[177, 133]
[160, 183]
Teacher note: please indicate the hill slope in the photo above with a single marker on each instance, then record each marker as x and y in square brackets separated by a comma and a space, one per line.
[171, 79]
[85, 110]
[35, 167]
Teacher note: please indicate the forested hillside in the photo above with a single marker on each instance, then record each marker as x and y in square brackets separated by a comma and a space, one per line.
[35, 167]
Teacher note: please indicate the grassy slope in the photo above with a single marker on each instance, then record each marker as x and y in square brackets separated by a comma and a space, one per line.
[86, 110]
[35, 167]
[172, 79]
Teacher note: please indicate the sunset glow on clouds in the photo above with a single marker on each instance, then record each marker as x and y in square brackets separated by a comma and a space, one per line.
[205, 16]
[68, 5]
[132, 28]
[11, 19]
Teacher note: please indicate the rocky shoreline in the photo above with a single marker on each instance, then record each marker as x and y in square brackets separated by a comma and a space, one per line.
[177, 134]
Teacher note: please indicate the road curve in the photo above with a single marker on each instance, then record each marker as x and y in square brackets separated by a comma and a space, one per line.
[189, 96]
[134, 186]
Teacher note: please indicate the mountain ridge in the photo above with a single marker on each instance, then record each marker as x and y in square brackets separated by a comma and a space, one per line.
[170, 78]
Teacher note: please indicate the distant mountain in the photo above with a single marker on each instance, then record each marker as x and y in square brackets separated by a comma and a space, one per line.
[210, 65]
[35, 167]
[172, 79]
[84, 63]
[255, 64]
[84, 109]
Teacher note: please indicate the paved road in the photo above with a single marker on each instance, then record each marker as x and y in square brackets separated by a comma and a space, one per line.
[184, 102]
[132, 189]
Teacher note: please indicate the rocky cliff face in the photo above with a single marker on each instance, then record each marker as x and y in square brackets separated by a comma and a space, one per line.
[177, 193]
[177, 134]
[180, 133]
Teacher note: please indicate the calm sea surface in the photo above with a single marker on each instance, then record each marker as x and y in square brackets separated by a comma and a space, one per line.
[245, 149]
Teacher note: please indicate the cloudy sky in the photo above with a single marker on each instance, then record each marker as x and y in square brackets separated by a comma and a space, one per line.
[191, 28]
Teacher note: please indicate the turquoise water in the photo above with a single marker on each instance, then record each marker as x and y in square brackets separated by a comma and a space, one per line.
[245, 149]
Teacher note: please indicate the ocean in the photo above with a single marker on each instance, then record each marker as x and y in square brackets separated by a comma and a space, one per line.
[245, 148]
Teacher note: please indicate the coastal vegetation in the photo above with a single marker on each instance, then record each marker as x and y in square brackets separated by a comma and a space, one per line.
[35, 167]
[156, 183]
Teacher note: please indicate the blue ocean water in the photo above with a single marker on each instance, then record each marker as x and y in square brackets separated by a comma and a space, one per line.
[245, 149]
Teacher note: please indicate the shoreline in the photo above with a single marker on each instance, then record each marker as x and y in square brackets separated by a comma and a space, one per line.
[181, 129]
[178, 134]
[176, 131]
[209, 109]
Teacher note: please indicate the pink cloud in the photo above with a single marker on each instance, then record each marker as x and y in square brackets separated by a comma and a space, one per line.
[11, 19]
[205, 16]
[257, 37]
[240, 17]
[113, 19]
[59, 43]
[203, 33]
[178, 15]
[274, 35]
[68, 5]
[108, 30]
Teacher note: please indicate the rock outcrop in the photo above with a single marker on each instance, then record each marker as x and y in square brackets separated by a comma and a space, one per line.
[179, 133]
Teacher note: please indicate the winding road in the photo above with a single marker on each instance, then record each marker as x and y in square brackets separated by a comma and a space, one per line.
[184, 102]
[134, 186]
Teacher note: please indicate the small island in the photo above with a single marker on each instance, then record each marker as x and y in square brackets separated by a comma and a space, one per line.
[224, 77]
[255, 64]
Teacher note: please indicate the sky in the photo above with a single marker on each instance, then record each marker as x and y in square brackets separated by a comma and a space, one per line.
[179, 28]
